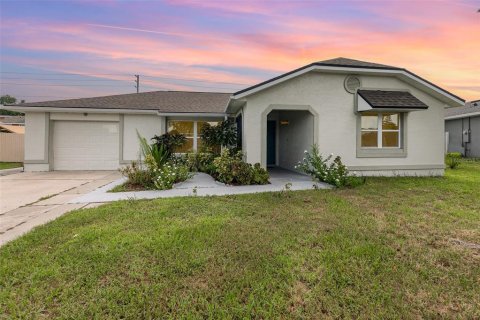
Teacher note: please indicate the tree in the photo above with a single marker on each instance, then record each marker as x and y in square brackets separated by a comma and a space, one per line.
[7, 99]
[222, 135]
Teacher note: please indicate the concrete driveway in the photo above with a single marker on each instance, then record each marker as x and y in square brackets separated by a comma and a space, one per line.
[28, 199]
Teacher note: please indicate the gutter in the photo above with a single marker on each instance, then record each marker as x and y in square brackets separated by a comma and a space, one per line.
[192, 114]
[77, 110]
[121, 111]
[461, 116]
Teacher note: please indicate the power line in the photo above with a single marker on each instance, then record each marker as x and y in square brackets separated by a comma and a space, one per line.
[195, 80]
[67, 73]
[113, 74]
[46, 79]
[106, 85]
[60, 85]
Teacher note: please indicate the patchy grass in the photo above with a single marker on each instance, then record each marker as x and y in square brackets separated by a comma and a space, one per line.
[126, 187]
[10, 165]
[392, 248]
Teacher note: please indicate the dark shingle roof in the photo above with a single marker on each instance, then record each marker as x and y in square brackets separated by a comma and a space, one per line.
[383, 99]
[350, 63]
[162, 101]
[469, 108]
[12, 119]
[345, 62]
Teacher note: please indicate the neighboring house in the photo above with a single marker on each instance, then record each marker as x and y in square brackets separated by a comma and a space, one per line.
[381, 120]
[12, 120]
[462, 127]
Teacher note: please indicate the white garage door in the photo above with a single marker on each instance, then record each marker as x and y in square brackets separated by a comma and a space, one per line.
[85, 145]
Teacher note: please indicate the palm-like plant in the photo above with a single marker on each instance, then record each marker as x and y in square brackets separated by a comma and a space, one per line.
[157, 153]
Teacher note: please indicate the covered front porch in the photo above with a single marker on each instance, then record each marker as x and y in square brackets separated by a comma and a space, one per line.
[288, 134]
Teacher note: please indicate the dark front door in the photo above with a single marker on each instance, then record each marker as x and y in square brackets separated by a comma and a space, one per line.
[271, 142]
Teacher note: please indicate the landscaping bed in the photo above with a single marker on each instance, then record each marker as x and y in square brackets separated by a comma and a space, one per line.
[160, 167]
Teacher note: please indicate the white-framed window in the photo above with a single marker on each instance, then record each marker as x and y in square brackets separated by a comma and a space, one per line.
[380, 130]
[192, 131]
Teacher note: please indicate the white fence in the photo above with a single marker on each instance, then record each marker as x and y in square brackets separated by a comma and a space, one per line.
[11, 147]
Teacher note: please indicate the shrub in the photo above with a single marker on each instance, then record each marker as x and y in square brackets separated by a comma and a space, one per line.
[199, 161]
[155, 155]
[452, 159]
[224, 134]
[324, 170]
[260, 175]
[170, 141]
[138, 176]
[169, 174]
[231, 169]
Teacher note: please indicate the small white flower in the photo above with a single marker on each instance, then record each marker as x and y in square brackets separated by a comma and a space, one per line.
[331, 154]
[305, 151]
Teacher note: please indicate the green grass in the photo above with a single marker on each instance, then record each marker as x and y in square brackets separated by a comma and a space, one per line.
[10, 165]
[387, 249]
[126, 187]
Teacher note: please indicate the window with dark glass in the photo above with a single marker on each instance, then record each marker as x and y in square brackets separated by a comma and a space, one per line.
[380, 130]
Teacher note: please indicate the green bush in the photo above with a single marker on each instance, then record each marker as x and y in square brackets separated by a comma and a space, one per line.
[260, 175]
[199, 161]
[324, 170]
[169, 174]
[138, 176]
[452, 159]
[231, 169]
[170, 141]
[224, 134]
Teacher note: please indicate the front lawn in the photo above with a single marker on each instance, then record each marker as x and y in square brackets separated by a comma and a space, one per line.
[10, 165]
[392, 248]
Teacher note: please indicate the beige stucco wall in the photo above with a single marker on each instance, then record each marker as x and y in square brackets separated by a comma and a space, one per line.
[147, 126]
[36, 140]
[336, 128]
[39, 125]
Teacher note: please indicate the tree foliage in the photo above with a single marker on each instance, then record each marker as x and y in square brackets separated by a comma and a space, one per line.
[6, 100]
[224, 134]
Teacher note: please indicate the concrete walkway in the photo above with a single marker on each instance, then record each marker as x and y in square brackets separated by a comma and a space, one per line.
[203, 185]
[32, 199]
[29, 199]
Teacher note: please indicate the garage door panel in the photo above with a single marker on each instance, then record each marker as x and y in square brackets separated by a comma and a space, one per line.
[79, 145]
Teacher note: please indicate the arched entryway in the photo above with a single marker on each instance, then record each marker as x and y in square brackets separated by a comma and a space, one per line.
[288, 133]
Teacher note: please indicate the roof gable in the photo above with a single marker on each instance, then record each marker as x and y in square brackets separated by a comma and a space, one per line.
[346, 65]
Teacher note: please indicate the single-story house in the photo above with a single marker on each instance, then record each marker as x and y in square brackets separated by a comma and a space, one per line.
[12, 120]
[462, 128]
[382, 120]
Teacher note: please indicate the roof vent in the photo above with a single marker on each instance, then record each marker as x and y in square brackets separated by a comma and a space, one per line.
[351, 84]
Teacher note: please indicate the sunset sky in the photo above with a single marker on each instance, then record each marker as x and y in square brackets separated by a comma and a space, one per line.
[53, 50]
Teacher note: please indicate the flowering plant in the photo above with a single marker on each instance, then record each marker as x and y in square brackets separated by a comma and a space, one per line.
[169, 174]
[323, 169]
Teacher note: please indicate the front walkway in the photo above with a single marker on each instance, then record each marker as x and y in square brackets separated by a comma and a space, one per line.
[204, 185]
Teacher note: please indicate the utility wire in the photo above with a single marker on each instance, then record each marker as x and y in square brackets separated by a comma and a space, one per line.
[126, 75]
[106, 85]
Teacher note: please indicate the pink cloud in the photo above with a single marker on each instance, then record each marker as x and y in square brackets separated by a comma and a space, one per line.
[442, 47]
